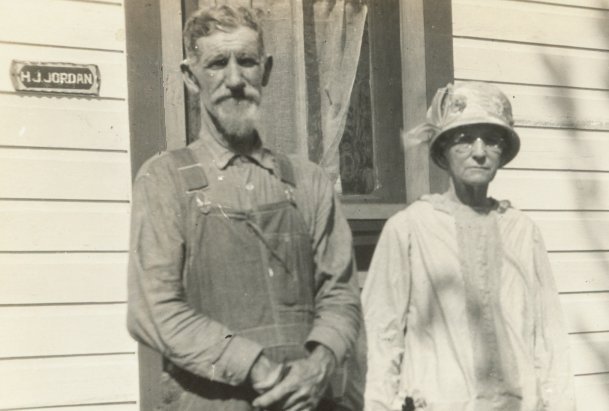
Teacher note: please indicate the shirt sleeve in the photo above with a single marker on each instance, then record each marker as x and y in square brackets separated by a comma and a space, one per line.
[551, 341]
[337, 303]
[158, 314]
[385, 299]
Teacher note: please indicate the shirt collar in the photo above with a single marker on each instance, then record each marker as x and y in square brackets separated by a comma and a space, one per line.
[223, 156]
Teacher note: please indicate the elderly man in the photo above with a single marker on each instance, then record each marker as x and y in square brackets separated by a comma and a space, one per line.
[241, 262]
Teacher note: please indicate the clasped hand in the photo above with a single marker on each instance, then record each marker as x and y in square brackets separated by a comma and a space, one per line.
[302, 386]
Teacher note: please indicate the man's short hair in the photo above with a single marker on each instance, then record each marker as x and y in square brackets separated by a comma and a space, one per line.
[206, 21]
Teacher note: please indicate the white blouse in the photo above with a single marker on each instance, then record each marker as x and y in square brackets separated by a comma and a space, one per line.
[462, 313]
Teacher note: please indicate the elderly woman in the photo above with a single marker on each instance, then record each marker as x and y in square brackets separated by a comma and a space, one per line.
[460, 305]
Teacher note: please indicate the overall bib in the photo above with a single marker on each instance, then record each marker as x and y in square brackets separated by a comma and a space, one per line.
[252, 270]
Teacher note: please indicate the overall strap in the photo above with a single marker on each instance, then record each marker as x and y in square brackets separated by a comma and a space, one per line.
[285, 169]
[191, 171]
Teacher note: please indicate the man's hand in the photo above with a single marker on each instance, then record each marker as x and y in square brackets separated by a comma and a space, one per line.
[265, 374]
[304, 384]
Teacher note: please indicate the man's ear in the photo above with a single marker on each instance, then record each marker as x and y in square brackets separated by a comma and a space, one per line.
[189, 79]
[268, 66]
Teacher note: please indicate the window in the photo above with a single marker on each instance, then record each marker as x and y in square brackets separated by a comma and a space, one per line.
[371, 159]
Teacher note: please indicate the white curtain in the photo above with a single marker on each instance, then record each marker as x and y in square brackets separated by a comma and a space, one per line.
[339, 26]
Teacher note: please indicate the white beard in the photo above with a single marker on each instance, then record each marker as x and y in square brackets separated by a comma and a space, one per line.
[237, 119]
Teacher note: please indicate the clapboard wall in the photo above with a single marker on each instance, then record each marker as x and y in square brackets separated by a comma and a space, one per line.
[64, 214]
[551, 58]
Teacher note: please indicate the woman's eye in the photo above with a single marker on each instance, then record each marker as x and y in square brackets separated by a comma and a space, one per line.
[462, 138]
[492, 141]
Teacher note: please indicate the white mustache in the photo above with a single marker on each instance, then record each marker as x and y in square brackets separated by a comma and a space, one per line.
[238, 98]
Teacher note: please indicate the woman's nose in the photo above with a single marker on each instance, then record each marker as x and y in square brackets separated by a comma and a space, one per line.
[478, 148]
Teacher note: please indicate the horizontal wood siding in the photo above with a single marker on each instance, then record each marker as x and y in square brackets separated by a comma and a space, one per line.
[562, 149]
[40, 226]
[76, 123]
[62, 278]
[580, 271]
[530, 22]
[595, 4]
[30, 331]
[36, 382]
[64, 215]
[551, 58]
[60, 174]
[122, 406]
[64, 23]
[553, 190]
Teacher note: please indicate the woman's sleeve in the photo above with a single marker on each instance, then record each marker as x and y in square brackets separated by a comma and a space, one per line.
[385, 300]
[551, 340]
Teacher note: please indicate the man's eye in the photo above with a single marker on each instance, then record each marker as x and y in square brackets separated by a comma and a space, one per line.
[248, 62]
[217, 64]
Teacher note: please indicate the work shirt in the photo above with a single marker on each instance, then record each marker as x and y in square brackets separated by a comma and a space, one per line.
[159, 315]
[462, 313]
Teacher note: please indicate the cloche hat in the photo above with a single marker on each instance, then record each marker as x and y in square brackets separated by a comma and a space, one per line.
[465, 104]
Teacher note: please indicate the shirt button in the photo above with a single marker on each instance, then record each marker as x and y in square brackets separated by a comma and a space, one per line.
[271, 273]
[249, 186]
[220, 178]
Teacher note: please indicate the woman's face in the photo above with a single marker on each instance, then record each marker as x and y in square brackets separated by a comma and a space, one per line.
[473, 154]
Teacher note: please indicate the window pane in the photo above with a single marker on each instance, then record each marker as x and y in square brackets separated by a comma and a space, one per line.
[356, 151]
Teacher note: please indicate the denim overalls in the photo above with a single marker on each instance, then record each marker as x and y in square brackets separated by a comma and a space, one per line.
[251, 270]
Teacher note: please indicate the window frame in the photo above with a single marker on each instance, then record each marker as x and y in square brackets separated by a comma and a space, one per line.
[426, 49]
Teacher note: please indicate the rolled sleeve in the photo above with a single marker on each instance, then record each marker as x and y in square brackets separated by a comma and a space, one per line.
[158, 314]
[236, 361]
[337, 303]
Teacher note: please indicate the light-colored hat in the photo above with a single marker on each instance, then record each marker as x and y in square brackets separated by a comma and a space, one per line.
[461, 105]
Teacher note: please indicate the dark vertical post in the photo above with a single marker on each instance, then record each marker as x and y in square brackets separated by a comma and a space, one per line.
[147, 129]
[156, 116]
[427, 63]
[440, 67]
[145, 80]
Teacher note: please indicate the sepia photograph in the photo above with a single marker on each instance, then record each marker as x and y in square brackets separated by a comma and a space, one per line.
[304, 205]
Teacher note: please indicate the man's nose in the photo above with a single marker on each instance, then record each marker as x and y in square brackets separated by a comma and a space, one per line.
[233, 76]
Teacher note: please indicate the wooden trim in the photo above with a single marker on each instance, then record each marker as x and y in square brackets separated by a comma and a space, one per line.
[145, 87]
[147, 130]
[439, 65]
[193, 105]
[189, 7]
[156, 116]
[173, 86]
[427, 64]
[414, 94]
[386, 98]
[305, 146]
[371, 211]
[156, 96]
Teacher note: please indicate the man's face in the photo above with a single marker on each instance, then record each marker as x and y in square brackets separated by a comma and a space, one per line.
[229, 75]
